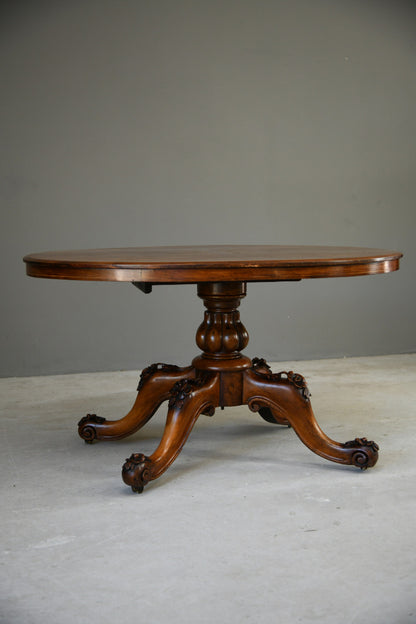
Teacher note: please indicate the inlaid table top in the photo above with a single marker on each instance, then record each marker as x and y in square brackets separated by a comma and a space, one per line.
[211, 263]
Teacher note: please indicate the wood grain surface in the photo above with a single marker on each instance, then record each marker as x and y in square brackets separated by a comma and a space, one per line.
[211, 263]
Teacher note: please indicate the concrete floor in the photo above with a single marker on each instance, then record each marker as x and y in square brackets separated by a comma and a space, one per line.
[247, 525]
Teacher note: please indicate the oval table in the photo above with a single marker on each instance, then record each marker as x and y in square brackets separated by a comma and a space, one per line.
[221, 375]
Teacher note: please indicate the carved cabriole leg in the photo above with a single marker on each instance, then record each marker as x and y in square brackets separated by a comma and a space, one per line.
[217, 382]
[188, 399]
[155, 384]
[287, 396]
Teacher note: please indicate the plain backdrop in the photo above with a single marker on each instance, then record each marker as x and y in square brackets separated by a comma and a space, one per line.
[130, 122]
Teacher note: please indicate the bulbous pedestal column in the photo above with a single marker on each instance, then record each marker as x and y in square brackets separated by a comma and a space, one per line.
[221, 335]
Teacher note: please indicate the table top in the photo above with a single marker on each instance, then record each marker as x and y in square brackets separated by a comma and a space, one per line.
[211, 263]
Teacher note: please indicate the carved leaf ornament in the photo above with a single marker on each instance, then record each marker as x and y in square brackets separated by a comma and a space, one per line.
[261, 367]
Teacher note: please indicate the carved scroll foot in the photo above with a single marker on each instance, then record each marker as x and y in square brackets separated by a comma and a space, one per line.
[188, 399]
[87, 427]
[136, 471]
[287, 397]
[364, 453]
[154, 387]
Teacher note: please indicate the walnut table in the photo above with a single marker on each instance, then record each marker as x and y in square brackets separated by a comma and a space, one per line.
[221, 375]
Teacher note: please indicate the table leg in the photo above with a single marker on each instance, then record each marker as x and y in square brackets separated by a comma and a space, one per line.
[155, 384]
[287, 397]
[188, 399]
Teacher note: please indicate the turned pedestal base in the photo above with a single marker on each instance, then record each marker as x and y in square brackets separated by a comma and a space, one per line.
[221, 376]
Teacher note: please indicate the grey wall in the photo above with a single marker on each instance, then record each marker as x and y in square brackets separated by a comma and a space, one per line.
[128, 122]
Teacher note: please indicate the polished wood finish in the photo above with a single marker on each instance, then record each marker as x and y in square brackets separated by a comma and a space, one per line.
[221, 375]
[211, 263]
[159, 378]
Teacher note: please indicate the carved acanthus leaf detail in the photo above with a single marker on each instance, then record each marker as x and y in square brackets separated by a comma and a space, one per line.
[260, 363]
[182, 389]
[260, 367]
[361, 442]
[154, 368]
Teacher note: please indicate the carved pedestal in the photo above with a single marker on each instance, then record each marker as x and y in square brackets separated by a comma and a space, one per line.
[221, 376]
